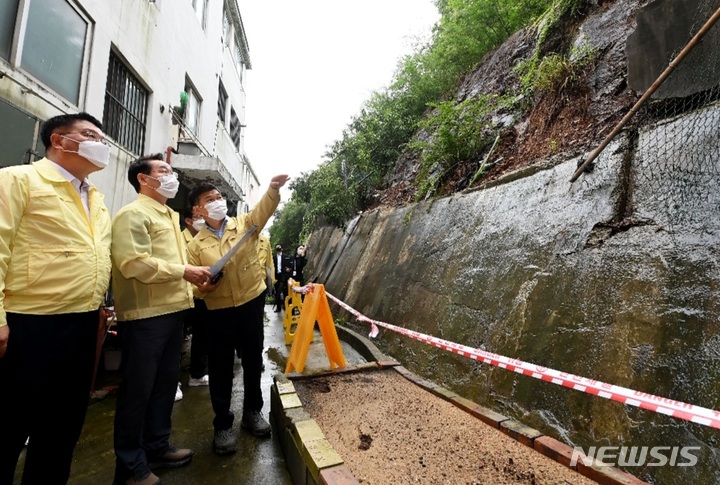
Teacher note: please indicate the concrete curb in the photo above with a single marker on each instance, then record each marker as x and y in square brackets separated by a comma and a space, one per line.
[311, 460]
[309, 457]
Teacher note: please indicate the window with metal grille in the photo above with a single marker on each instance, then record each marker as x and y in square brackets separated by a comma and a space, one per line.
[235, 128]
[125, 112]
[222, 103]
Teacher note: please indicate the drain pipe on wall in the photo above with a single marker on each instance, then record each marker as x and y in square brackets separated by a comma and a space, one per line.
[168, 154]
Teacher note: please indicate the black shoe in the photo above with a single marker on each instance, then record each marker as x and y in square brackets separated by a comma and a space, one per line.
[224, 442]
[172, 458]
[255, 423]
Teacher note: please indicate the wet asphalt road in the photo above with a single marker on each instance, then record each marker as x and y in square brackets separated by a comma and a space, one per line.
[257, 462]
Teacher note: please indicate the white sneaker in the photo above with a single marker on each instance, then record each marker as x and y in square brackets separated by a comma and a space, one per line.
[178, 393]
[202, 381]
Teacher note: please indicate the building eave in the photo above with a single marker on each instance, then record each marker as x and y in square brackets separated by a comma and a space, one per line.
[240, 36]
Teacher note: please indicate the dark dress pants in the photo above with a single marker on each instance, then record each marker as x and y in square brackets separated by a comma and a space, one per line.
[280, 290]
[45, 379]
[150, 371]
[199, 343]
[231, 329]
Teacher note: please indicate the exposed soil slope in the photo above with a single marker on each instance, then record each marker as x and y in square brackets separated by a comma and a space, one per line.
[561, 123]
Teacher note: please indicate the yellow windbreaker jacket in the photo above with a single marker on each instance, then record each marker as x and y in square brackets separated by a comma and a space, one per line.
[53, 259]
[149, 258]
[244, 278]
[265, 257]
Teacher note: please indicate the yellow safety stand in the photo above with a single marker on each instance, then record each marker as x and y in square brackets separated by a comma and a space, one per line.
[293, 306]
[315, 308]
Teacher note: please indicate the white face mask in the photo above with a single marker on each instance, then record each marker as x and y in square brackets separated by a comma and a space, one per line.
[198, 224]
[217, 209]
[169, 185]
[94, 152]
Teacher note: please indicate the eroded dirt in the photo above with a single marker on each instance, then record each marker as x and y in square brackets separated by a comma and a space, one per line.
[391, 431]
[565, 122]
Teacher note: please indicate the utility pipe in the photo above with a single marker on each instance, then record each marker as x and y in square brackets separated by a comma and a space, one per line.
[658, 82]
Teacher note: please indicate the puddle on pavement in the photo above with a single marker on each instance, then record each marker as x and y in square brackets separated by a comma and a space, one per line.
[276, 356]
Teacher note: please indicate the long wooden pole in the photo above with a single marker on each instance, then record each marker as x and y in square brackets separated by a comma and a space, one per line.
[658, 82]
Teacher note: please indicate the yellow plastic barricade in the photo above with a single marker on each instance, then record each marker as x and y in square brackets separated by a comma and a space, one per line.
[293, 306]
[315, 308]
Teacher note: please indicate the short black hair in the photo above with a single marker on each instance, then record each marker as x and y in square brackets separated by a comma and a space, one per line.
[187, 212]
[199, 190]
[141, 165]
[64, 122]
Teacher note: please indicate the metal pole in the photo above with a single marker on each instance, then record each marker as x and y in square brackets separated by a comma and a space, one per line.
[658, 82]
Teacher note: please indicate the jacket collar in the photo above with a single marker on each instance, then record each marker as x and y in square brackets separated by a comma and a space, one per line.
[230, 225]
[47, 170]
[150, 202]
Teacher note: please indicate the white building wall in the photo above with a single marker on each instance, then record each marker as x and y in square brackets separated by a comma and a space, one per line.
[161, 42]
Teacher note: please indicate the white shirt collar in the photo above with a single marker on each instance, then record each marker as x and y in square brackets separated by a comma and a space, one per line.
[77, 183]
[81, 186]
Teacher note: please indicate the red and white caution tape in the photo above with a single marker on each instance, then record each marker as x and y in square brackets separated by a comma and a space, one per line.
[663, 405]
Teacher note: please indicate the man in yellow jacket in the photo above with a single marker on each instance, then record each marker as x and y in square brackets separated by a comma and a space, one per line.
[235, 307]
[197, 318]
[151, 285]
[54, 273]
[265, 258]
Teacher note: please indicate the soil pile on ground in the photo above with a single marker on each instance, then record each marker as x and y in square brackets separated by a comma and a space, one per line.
[390, 431]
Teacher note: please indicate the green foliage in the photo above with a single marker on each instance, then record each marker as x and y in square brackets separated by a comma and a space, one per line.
[406, 217]
[459, 132]
[287, 228]
[359, 163]
[184, 99]
[327, 195]
[553, 146]
[555, 71]
[470, 28]
[486, 164]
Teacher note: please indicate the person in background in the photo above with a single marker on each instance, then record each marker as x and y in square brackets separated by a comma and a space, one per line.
[266, 262]
[235, 307]
[282, 272]
[151, 283]
[298, 264]
[197, 317]
[54, 273]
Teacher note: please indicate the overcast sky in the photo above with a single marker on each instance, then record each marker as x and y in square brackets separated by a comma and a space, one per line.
[313, 65]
